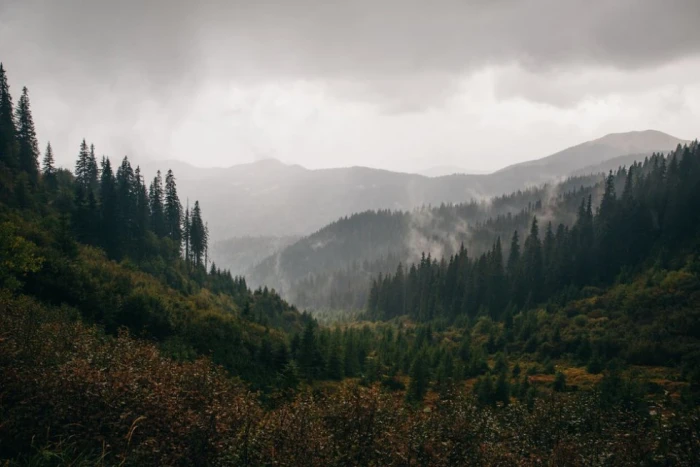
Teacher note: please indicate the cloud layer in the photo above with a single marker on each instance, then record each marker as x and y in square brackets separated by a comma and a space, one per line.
[394, 83]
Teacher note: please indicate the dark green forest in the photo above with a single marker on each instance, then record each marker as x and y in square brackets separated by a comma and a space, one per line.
[122, 343]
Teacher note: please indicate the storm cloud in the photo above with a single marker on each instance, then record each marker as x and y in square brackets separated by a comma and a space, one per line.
[135, 74]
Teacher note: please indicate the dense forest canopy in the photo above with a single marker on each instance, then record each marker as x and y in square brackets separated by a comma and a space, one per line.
[121, 342]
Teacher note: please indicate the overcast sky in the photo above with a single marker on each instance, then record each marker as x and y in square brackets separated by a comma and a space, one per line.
[395, 84]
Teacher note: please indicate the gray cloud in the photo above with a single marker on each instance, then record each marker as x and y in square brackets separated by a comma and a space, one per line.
[173, 40]
[154, 76]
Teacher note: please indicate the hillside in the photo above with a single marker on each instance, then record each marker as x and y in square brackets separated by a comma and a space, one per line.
[589, 154]
[331, 268]
[115, 250]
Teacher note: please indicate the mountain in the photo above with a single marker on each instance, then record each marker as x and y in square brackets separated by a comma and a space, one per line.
[442, 170]
[271, 198]
[590, 153]
[331, 268]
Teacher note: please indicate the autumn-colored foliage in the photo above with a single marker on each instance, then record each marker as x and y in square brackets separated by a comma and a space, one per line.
[68, 389]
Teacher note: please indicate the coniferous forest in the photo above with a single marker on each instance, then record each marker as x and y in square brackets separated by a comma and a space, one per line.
[570, 336]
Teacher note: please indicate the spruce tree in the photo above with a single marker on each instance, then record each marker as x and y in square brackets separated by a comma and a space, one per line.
[82, 166]
[533, 263]
[109, 210]
[126, 200]
[27, 145]
[48, 170]
[514, 271]
[309, 357]
[92, 172]
[187, 234]
[419, 379]
[8, 132]
[156, 203]
[197, 235]
[142, 213]
[173, 210]
[514, 255]
[334, 361]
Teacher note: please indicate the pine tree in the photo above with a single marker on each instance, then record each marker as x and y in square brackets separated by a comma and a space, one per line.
[82, 166]
[197, 235]
[126, 200]
[28, 147]
[187, 234]
[607, 203]
[532, 262]
[173, 210]
[309, 356]
[514, 255]
[49, 170]
[92, 172]
[496, 281]
[8, 132]
[141, 217]
[334, 362]
[156, 203]
[502, 389]
[445, 371]
[608, 248]
[515, 271]
[206, 243]
[109, 210]
[419, 378]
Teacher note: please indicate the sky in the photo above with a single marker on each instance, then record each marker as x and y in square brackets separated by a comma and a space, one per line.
[395, 84]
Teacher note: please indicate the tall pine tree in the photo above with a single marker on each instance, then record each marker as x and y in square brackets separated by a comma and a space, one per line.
[8, 142]
[49, 169]
[173, 210]
[156, 203]
[27, 145]
[109, 210]
[82, 167]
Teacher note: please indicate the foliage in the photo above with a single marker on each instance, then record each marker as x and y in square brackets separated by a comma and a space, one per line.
[115, 400]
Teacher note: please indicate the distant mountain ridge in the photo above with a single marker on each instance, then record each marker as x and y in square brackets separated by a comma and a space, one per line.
[589, 154]
[270, 198]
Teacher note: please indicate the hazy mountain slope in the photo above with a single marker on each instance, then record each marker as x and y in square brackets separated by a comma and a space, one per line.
[349, 249]
[239, 254]
[271, 198]
[612, 164]
[443, 170]
[588, 154]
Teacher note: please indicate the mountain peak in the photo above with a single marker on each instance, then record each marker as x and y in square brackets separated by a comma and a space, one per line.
[639, 141]
[268, 162]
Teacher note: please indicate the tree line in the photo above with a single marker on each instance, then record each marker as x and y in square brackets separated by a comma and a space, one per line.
[113, 208]
[651, 220]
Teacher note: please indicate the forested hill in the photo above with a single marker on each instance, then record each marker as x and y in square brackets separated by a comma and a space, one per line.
[652, 223]
[332, 267]
[124, 253]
